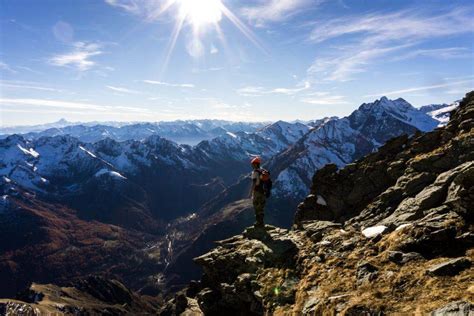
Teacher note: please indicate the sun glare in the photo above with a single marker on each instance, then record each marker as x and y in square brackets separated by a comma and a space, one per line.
[201, 16]
[201, 13]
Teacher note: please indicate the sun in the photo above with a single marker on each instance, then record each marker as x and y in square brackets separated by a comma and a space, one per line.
[201, 13]
[201, 16]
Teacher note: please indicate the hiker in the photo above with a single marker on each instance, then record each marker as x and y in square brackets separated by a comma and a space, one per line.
[260, 191]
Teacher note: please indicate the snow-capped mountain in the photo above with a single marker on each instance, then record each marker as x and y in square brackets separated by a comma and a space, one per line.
[440, 112]
[265, 142]
[148, 176]
[160, 171]
[341, 141]
[188, 132]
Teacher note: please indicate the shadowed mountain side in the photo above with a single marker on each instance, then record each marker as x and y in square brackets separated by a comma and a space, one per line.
[89, 296]
[49, 243]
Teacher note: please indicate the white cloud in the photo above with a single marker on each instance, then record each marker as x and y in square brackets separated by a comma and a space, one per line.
[252, 91]
[69, 105]
[370, 37]
[423, 88]
[123, 90]
[167, 84]
[200, 70]
[275, 10]
[79, 57]
[325, 100]
[396, 26]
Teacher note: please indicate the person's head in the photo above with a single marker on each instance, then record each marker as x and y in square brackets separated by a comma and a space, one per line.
[256, 162]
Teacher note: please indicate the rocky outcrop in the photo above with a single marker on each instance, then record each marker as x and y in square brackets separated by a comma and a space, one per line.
[391, 233]
[405, 180]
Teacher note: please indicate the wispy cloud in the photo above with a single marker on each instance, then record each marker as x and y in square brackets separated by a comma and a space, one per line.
[253, 91]
[123, 90]
[167, 84]
[27, 85]
[200, 70]
[29, 70]
[6, 67]
[275, 10]
[64, 104]
[370, 37]
[409, 25]
[325, 100]
[343, 67]
[148, 9]
[80, 56]
[423, 88]
[438, 53]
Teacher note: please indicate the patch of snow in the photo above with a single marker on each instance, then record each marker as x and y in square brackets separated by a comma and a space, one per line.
[449, 108]
[324, 242]
[111, 173]
[231, 134]
[88, 152]
[4, 201]
[30, 151]
[373, 231]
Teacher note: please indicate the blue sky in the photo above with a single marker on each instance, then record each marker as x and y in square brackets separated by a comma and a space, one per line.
[104, 60]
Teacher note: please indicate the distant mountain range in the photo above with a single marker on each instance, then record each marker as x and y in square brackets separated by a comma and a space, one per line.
[167, 195]
[188, 132]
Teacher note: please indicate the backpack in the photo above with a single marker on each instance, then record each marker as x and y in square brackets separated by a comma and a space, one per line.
[265, 181]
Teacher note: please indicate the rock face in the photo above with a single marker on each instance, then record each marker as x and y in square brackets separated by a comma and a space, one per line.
[405, 180]
[391, 233]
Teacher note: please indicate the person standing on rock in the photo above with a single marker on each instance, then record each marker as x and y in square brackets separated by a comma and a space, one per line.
[260, 191]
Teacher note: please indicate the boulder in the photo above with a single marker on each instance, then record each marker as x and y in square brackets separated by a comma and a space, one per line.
[450, 268]
[459, 308]
[366, 272]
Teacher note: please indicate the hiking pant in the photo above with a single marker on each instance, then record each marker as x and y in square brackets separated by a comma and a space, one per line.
[259, 206]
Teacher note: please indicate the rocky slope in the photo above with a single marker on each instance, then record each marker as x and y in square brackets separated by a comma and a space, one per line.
[390, 233]
[331, 140]
[90, 296]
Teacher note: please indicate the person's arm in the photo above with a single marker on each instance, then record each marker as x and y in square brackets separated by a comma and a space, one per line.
[252, 188]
